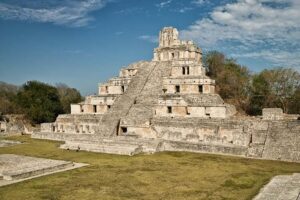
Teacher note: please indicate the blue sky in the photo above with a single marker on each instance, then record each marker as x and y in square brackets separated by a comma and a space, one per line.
[83, 42]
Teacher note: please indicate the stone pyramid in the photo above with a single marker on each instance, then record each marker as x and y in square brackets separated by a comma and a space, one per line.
[173, 84]
[169, 104]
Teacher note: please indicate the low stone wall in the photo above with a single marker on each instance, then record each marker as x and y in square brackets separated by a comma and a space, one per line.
[78, 124]
[266, 139]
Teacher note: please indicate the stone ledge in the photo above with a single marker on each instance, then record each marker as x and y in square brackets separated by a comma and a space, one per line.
[16, 168]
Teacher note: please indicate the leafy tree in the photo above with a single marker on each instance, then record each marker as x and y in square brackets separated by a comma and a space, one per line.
[276, 88]
[214, 62]
[259, 94]
[294, 103]
[39, 101]
[232, 79]
[68, 96]
[7, 95]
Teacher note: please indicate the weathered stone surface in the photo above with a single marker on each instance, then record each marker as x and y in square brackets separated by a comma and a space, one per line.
[7, 143]
[16, 124]
[15, 168]
[272, 114]
[283, 187]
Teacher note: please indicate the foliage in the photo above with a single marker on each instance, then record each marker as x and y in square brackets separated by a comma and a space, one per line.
[39, 101]
[250, 93]
[232, 79]
[68, 96]
[294, 103]
[166, 175]
[7, 95]
[278, 87]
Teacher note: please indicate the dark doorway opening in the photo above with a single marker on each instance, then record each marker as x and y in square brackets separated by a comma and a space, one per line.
[124, 129]
[177, 88]
[169, 109]
[200, 88]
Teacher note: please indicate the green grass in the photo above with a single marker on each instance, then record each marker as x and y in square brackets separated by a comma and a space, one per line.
[160, 176]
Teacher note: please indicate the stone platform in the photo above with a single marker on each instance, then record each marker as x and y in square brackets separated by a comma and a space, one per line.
[283, 187]
[16, 168]
[7, 143]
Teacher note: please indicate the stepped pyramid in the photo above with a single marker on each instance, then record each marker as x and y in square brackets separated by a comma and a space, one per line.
[169, 104]
[173, 84]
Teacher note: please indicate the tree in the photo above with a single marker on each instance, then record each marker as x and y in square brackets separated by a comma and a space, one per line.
[39, 101]
[294, 103]
[7, 95]
[68, 96]
[258, 95]
[276, 88]
[214, 61]
[232, 79]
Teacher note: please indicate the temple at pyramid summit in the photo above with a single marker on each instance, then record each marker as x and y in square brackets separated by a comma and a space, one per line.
[170, 104]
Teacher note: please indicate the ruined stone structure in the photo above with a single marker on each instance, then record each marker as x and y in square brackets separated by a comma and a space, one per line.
[169, 104]
[15, 124]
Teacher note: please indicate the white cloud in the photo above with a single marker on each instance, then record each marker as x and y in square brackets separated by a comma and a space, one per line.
[184, 9]
[66, 12]
[149, 38]
[256, 25]
[278, 58]
[199, 2]
[164, 3]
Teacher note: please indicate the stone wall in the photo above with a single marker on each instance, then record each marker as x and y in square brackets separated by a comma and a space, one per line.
[76, 124]
[247, 137]
[266, 139]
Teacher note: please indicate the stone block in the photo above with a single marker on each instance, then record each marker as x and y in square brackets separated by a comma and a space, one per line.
[272, 114]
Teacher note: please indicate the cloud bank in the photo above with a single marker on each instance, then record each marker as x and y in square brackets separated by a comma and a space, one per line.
[71, 13]
[268, 29]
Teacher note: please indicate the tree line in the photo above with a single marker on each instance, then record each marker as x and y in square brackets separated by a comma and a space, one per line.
[251, 92]
[40, 102]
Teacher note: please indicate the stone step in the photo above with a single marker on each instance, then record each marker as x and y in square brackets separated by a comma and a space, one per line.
[282, 187]
[203, 148]
[29, 172]
[123, 104]
[144, 107]
[123, 146]
[109, 148]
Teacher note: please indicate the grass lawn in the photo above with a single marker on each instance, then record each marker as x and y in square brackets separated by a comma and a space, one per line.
[168, 175]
